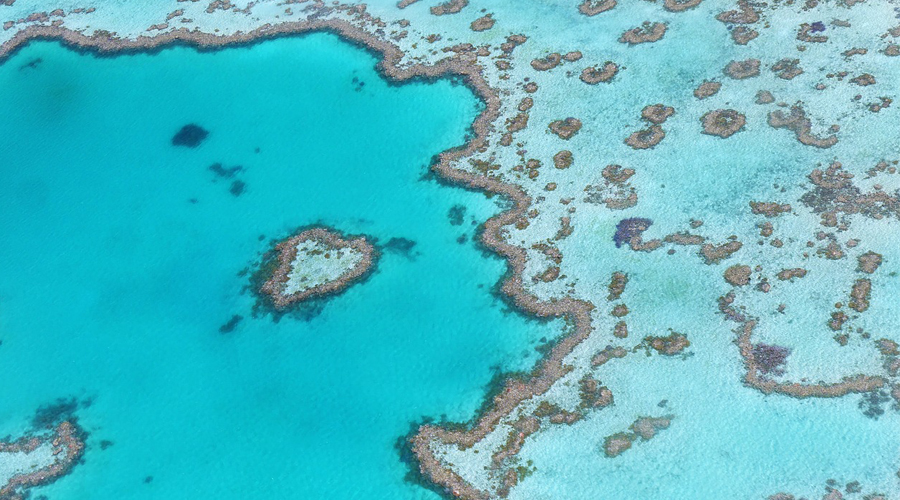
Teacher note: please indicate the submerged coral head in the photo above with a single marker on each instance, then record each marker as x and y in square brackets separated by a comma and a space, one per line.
[190, 135]
[629, 228]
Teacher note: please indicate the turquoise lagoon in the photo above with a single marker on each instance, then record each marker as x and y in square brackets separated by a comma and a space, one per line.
[123, 256]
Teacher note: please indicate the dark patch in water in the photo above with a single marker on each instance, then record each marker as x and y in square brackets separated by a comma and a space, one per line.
[456, 214]
[306, 311]
[148, 479]
[52, 414]
[237, 188]
[231, 324]
[32, 64]
[193, 201]
[357, 84]
[817, 27]
[872, 403]
[190, 135]
[401, 246]
[223, 172]
[770, 359]
[105, 444]
[462, 239]
[629, 228]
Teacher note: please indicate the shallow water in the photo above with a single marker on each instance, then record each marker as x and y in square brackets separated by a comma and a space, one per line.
[123, 256]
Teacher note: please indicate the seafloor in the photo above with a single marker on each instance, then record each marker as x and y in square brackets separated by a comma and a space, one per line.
[706, 193]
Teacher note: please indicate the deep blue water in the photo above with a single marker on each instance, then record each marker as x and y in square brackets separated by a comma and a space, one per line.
[122, 256]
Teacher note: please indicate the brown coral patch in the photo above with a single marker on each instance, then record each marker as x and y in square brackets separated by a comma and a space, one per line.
[517, 123]
[832, 251]
[647, 427]
[859, 295]
[742, 35]
[646, 138]
[616, 174]
[864, 80]
[645, 33]
[657, 113]
[740, 70]
[804, 34]
[619, 311]
[764, 97]
[707, 89]
[745, 14]
[769, 209]
[680, 5]
[563, 159]
[593, 75]
[798, 123]
[512, 41]
[888, 347]
[607, 354]
[483, 23]
[788, 274]
[592, 394]
[868, 262]
[547, 63]
[567, 128]
[838, 318]
[787, 69]
[737, 275]
[713, 254]
[684, 239]
[855, 51]
[449, 7]
[617, 444]
[617, 284]
[722, 122]
[525, 104]
[594, 7]
[669, 345]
